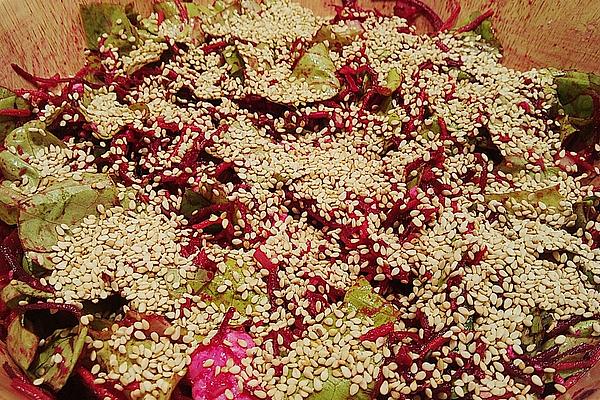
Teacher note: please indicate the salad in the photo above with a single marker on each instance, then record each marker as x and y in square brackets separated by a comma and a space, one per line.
[247, 201]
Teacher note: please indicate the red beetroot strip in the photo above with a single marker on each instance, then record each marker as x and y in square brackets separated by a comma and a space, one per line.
[21, 384]
[39, 82]
[471, 26]
[99, 390]
[423, 9]
[451, 21]
[14, 112]
[182, 10]
[272, 280]
[380, 331]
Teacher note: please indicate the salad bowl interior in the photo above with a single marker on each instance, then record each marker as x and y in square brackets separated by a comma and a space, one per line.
[46, 37]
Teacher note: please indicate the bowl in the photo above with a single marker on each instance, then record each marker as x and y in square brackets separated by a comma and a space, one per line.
[45, 37]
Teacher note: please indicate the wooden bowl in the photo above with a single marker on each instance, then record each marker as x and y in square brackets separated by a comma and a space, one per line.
[45, 37]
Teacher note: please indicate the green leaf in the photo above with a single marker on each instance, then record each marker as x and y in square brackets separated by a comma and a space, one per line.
[393, 80]
[10, 101]
[584, 328]
[571, 85]
[168, 8]
[465, 76]
[31, 138]
[234, 60]
[215, 13]
[16, 291]
[542, 320]
[550, 196]
[486, 31]
[192, 285]
[106, 352]
[9, 203]
[66, 202]
[362, 299]
[367, 303]
[192, 201]
[231, 297]
[585, 211]
[14, 168]
[333, 389]
[339, 36]
[575, 93]
[317, 69]
[21, 343]
[582, 107]
[110, 19]
[66, 343]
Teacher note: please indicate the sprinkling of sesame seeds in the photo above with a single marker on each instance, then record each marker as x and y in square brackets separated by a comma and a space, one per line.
[450, 206]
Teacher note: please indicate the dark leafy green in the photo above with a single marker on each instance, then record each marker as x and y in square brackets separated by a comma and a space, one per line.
[65, 202]
[10, 101]
[110, 19]
[192, 201]
[317, 69]
[69, 345]
[17, 291]
[31, 138]
[21, 343]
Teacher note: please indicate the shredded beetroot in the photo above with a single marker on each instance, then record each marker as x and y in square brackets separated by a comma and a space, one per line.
[21, 383]
[564, 325]
[31, 391]
[225, 323]
[160, 17]
[10, 254]
[39, 82]
[434, 345]
[380, 331]
[400, 10]
[17, 113]
[471, 26]
[182, 10]
[451, 21]
[101, 391]
[442, 46]
[213, 47]
[443, 129]
[272, 279]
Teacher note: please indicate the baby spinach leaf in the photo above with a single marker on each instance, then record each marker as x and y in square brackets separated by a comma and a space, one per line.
[16, 291]
[191, 202]
[69, 345]
[317, 69]
[31, 138]
[14, 168]
[21, 343]
[66, 202]
[576, 92]
[231, 297]
[234, 60]
[10, 101]
[9, 203]
[339, 36]
[111, 19]
[367, 303]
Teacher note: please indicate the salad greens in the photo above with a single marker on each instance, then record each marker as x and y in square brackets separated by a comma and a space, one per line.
[390, 177]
